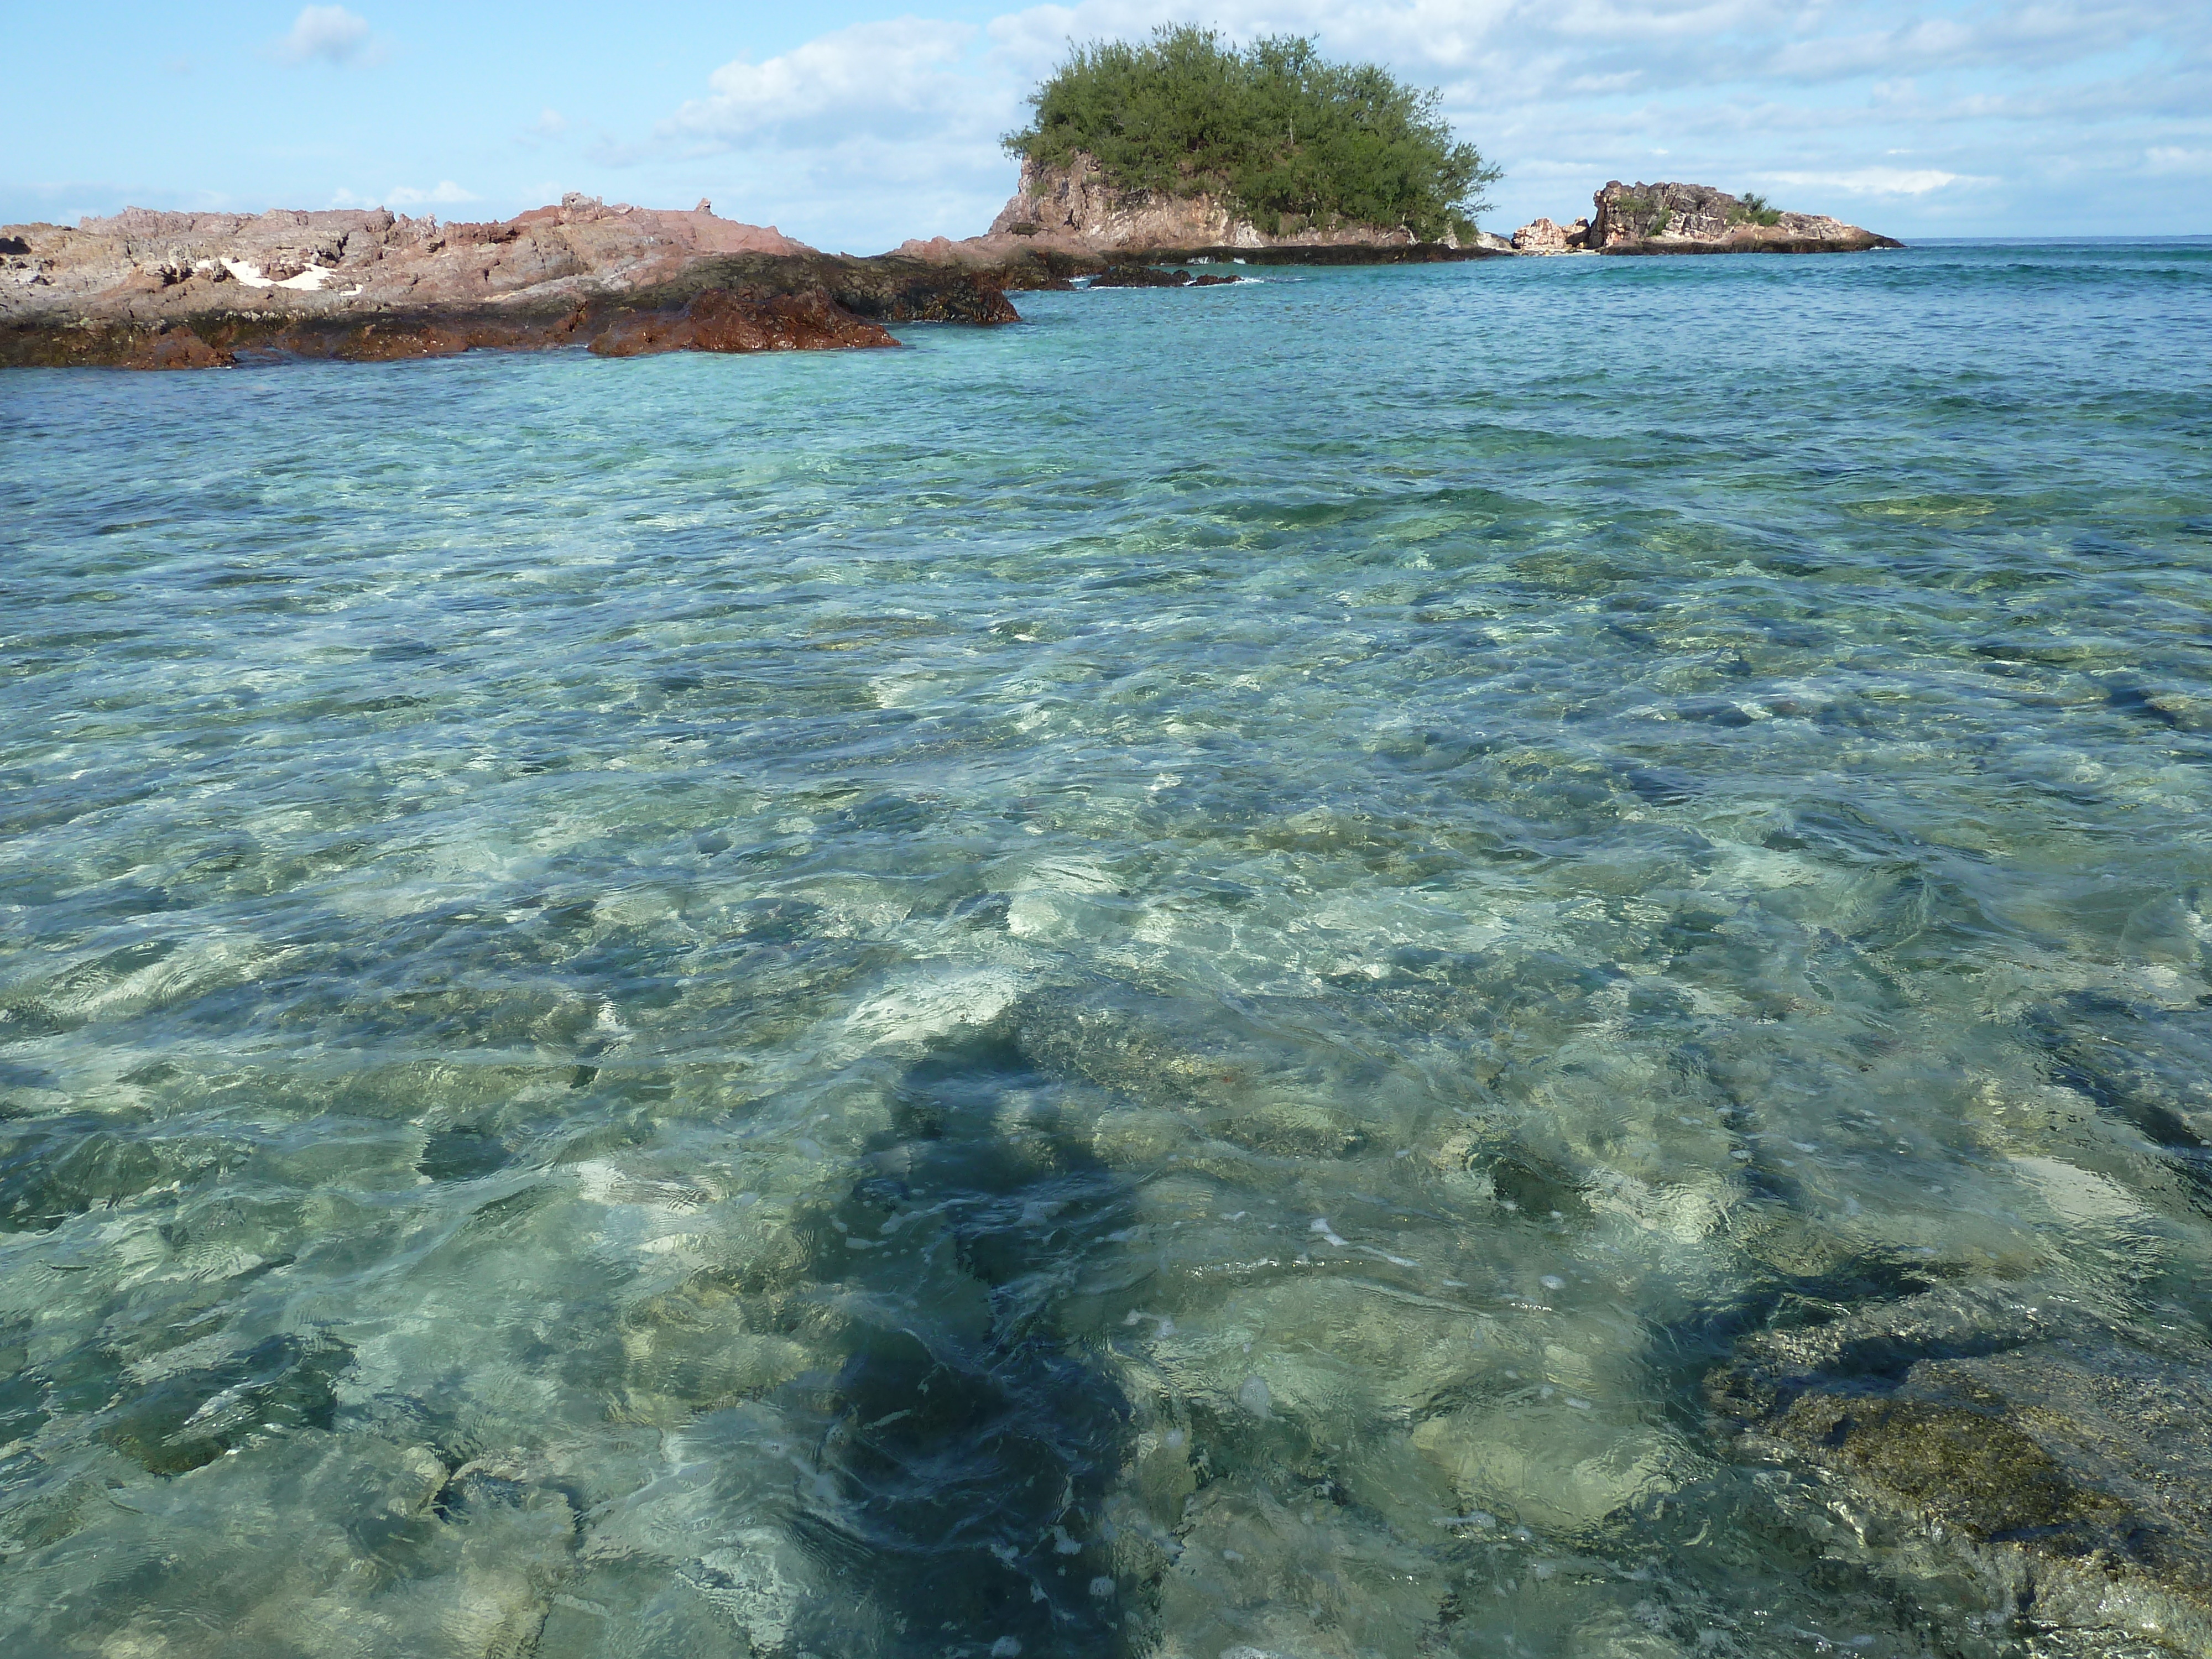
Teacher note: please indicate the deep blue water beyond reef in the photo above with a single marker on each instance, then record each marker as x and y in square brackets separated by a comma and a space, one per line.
[1157, 983]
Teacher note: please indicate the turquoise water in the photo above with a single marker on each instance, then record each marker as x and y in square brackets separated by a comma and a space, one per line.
[1157, 983]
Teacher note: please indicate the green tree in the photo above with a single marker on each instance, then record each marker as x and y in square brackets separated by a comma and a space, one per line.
[1274, 128]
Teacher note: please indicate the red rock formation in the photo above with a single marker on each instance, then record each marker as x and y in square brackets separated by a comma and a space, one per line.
[198, 290]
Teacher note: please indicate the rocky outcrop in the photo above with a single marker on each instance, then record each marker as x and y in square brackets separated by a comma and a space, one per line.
[1075, 212]
[160, 290]
[1671, 218]
[1079, 203]
[1675, 218]
[1542, 236]
[2062, 1463]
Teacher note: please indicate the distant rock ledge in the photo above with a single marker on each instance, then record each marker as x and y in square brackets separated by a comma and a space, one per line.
[201, 290]
[1673, 218]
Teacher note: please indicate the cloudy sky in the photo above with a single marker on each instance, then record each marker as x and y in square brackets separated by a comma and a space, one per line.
[853, 125]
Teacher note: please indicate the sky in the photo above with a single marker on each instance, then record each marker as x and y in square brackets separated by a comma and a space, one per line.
[853, 125]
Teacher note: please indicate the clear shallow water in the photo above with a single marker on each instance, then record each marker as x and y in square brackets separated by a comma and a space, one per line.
[1158, 983]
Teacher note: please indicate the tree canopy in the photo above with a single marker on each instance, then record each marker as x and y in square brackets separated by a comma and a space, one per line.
[1273, 128]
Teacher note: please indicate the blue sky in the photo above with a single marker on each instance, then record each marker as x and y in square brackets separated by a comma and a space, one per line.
[853, 125]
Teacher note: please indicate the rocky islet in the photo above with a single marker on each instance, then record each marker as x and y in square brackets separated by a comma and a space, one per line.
[1677, 218]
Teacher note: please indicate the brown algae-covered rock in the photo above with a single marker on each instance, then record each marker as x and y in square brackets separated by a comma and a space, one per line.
[2068, 1466]
[718, 320]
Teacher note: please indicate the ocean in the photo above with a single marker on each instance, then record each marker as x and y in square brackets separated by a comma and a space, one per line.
[1169, 981]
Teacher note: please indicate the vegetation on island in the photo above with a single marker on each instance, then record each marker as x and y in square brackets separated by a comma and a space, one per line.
[1289, 139]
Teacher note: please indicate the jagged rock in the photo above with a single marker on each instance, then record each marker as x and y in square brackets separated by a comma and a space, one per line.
[1676, 218]
[2065, 1464]
[1539, 236]
[1077, 202]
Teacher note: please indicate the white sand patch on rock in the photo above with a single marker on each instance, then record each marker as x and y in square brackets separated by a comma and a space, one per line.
[309, 280]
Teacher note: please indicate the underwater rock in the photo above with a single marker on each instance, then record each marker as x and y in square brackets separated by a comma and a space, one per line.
[2069, 1468]
[1268, 1569]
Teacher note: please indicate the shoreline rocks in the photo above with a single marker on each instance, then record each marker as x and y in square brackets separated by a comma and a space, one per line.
[151, 290]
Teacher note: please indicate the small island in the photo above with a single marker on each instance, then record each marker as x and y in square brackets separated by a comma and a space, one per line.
[1184, 143]
[1672, 218]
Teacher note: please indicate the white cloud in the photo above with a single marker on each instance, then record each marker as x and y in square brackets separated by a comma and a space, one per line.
[888, 78]
[549, 124]
[330, 32]
[445, 193]
[1874, 181]
[2173, 158]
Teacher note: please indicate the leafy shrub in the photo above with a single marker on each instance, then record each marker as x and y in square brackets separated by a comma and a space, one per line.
[1273, 129]
[1751, 208]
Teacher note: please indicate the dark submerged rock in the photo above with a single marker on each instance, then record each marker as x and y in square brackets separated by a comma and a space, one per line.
[1139, 277]
[1147, 277]
[2068, 1466]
